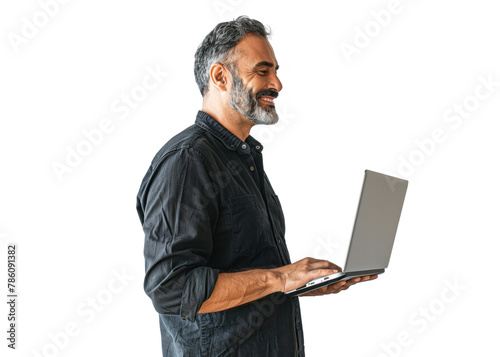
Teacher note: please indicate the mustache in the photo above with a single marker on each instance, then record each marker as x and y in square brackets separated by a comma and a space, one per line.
[267, 92]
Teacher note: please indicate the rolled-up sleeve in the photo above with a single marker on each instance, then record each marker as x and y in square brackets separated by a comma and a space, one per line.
[178, 215]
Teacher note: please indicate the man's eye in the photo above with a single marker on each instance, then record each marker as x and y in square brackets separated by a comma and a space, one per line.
[263, 73]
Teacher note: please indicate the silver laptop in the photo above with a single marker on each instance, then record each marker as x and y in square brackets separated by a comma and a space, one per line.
[377, 219]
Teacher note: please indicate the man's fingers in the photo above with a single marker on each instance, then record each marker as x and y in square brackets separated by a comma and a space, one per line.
[315, 264]
[344, 285]
[337, 287]
[340, 286]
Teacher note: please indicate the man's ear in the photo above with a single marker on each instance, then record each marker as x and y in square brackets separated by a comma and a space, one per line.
[219, 77]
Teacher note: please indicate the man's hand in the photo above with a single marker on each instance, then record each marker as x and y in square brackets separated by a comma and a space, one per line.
[298, 274]
[338, 287]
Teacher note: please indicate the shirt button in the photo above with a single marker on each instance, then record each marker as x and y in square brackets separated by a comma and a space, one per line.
[257, 147]
[252, 168]
[244, 146]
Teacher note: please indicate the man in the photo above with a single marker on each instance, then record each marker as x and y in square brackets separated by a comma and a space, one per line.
[216, 258]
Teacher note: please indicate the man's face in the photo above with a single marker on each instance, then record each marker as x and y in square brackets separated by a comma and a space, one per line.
[255, 82]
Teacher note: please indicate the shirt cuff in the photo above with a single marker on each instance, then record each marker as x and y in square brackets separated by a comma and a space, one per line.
[198, 288]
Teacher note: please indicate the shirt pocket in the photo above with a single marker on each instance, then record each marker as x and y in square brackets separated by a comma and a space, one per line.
[251, 230]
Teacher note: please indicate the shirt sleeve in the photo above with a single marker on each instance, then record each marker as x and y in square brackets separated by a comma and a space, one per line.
[178, 214]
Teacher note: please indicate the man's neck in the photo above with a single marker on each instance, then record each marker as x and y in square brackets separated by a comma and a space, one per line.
[230, 119]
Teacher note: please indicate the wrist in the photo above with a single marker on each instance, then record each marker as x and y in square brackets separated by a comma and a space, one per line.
[275, 281]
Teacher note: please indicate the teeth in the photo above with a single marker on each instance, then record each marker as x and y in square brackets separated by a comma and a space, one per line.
[268, 100]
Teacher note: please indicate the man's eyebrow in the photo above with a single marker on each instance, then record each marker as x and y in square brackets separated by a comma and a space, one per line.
[267, 64]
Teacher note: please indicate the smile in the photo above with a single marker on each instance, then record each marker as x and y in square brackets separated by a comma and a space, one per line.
[267, 99]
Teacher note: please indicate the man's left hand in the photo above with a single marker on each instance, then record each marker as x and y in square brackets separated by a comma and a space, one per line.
[338, 287]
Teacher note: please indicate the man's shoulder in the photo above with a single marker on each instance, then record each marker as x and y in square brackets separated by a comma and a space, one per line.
[191, 141]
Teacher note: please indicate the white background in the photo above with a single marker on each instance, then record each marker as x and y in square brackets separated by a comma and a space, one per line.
[340, 114]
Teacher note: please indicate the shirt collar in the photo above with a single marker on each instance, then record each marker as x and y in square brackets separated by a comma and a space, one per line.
[231, 141]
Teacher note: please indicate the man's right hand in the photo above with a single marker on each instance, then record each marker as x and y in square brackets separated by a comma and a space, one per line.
[298, 274]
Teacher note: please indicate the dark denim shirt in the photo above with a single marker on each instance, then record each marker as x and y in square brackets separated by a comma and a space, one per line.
[207, 206]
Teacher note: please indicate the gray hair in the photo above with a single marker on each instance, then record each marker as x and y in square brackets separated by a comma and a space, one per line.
[218, 46]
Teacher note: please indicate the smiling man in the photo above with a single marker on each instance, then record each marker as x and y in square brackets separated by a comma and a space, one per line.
[216, 257]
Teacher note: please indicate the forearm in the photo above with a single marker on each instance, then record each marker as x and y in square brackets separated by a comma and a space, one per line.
[234, 289]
